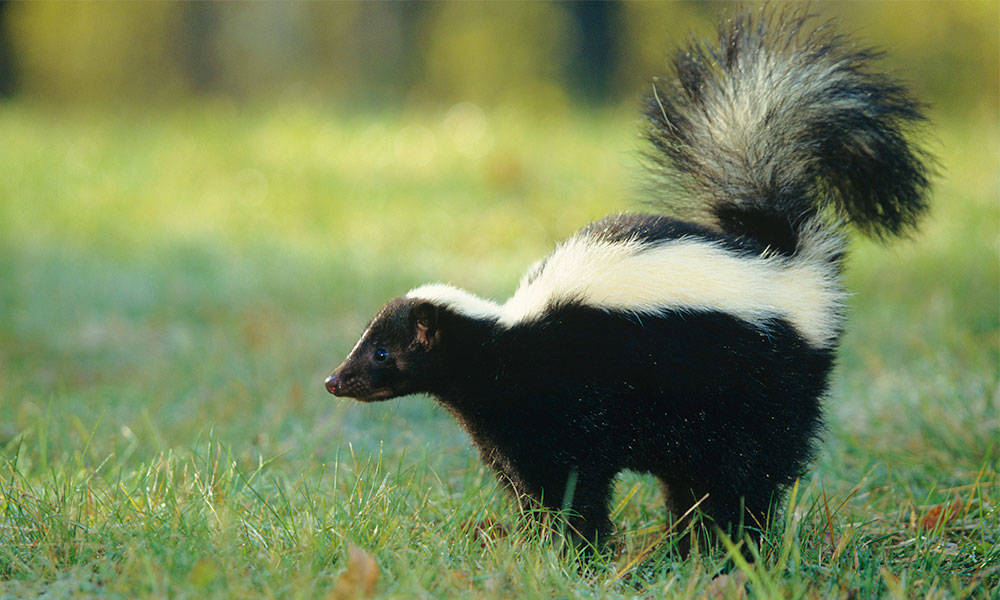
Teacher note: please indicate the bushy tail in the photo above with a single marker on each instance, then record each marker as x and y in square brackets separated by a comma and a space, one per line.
[782, 122]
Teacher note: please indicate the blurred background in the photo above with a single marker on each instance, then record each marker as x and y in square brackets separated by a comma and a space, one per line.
[378, 56]
[202, 203]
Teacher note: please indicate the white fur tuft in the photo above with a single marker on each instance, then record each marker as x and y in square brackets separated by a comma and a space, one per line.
[457, 300]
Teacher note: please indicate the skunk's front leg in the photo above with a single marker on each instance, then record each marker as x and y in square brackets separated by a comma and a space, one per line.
[584, 494]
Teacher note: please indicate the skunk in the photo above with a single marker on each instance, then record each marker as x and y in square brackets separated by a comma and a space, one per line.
[694, 344]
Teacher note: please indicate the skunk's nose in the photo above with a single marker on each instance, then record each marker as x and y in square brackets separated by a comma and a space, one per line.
[333, 384]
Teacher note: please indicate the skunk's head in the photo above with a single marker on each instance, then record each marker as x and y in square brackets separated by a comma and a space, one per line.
[398, 354]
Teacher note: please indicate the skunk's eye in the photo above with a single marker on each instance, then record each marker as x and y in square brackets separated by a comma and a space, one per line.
[380, 354]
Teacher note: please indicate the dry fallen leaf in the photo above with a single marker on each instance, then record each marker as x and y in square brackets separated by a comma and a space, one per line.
[727, 587]
[485, 530]
[359, 579]
[941, 515]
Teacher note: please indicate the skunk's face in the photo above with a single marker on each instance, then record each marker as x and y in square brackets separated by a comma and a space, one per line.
[394, 357]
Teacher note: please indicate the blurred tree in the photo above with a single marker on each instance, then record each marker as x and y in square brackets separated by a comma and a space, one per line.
[264, 47]
[594, 59]
[412, 19]
[382, 45]
[8, 64]
[199, 24]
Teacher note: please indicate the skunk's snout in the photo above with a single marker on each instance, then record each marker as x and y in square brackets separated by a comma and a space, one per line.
[333, 384]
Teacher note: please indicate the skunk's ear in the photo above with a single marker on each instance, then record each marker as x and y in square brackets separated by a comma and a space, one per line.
[424, 320]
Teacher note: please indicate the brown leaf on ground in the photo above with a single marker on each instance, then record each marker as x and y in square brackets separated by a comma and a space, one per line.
[485, 530]
[941, 515]
[727, 587]
[359, 579]
[459, 578]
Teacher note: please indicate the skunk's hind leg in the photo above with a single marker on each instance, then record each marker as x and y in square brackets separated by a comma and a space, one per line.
[701, 512]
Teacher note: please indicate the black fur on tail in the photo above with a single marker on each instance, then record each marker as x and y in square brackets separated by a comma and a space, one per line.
[781, 121]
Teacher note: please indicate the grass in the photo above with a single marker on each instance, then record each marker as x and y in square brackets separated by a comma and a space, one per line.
[175, 286]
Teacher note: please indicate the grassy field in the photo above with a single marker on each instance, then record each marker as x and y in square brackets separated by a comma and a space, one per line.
[174, 287]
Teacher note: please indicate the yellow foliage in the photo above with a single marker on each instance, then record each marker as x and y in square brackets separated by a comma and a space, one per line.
[96, 50]
[518, 53]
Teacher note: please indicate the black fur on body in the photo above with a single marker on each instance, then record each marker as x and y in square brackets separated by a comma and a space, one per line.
[775, 139]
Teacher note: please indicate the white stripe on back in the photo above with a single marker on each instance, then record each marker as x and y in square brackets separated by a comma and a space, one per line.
[685, 274]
